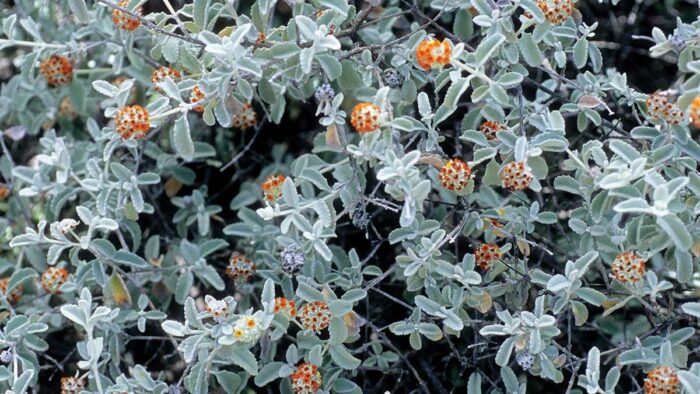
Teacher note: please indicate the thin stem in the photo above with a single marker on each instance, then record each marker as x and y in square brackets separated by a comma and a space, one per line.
[32, 44]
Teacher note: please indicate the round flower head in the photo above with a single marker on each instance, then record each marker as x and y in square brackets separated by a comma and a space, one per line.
[125, 21]
[628, 268]
[526, 360]
[15, 294]
[247, 328]
[53, 278]
[365, 117]
[272, 188]
[556, 11]
[659, 107]
[57, 70]
[455, 175]
[432, 53]
[72, 385]
[159, 75]
[315, 316]
[662, 380]
[486, 254]
[490, 128]
[240, 268]
[292, 259]
[391, 78]
[694, 112]
[132, 121]
[196, 96]
[216, 308]
[516, 176]
[324, 93]
[245, 118]
[285, 307]
[306, 379]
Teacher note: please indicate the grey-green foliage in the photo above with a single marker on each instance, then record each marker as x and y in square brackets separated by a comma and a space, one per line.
[132, 219]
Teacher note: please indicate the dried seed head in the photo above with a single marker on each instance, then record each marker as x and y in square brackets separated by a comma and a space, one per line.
[125, 21]
[196, 96]
[57, 70]
[628, 268]
[315, 316]
[132, 121]
[556, 11]
[365, 117]
[486, 254]
[285, 307]
[240, 268]
[490, 128]
[292, 259]
[662, 380]
[53, 278]
[306, 379]
[432, 53]
[455, 175]
[516, 176]
[272, 188]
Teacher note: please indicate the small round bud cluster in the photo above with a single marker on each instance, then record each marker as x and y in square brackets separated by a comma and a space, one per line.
[525, 360]
[132, 121]
[4, 192]
[516, 176]
[240, 268]
[15, 294]
[324, 93]
[660, 107]
[159, 75]
[272, 187]
[628, 268]
[432, 53]
[196, 96]
[315, 316]
[72, 385]
[678, 42]
[245, 118]
[694, 112]
[392, 78]
[5, 356]
[57, 70]
[285, 307]
[292, 259]
[556, 11]
[490, 128]
[216, 308]
[125, 21]
[247, 328]
[53, 278]
[260, 40]
[365, 117]
[306, 379]
[455, 175]
[486, 254]
[662, 380]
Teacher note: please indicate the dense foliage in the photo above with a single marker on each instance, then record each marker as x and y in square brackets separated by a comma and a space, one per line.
[404, 196]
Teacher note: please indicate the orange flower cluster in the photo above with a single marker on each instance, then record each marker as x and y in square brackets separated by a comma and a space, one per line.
[72, 385]
[132, 121]
[285, 307]
[455, 175]
[433, 53]
[272, 187]
[694, 112]
[315, 316]
[662, 380]
[516, 176]
[15, 294]
[245, 118]
[628, 268]
[159, 75]
[125, 21]
[53, 278]
[660, 107]
[490, 128]
[196, 96]
[306, 379]
[556, 11]
[240, 268]
[486, 254]
[57, 70]
[365, 117]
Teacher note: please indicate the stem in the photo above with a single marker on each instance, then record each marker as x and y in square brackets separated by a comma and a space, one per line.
[92, 70]
[31, 44]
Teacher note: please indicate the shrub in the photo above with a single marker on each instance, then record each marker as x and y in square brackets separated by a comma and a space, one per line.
[430, 196]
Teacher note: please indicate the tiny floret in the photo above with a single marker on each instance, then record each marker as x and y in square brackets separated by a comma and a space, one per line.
[628, 268]
[455, 175]
[132, 122]
[432, 53]
[125, 21]
[365, 117]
